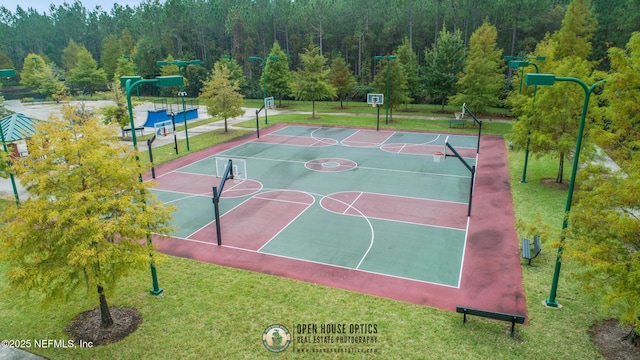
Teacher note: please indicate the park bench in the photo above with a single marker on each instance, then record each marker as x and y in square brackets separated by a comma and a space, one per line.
[526, 248]
[126, 130]
[513, 319]
[460, 122]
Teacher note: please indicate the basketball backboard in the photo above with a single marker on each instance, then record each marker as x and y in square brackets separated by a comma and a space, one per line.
[163, 128]
[375, 99]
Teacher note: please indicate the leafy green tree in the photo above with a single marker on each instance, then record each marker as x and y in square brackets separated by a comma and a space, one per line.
[52, 83]
[443, 63]
[278, 74]
[87, 215]
[341, 78]
[605, 224]
[236, 76]
[552, 123]
[409, 60]
[398, 89]
[123, 68]
[221, 94]
[117, 113]
[311, 82]
[86, 74]
[578, 25]
[111, 53]
[620, 133]
[31, 75]
[70, 55]
[482, 81]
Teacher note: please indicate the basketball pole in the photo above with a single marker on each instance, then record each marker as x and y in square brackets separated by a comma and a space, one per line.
[216, 210]
[378, 125]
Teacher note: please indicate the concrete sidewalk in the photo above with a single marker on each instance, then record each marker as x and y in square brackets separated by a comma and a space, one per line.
[10, 353]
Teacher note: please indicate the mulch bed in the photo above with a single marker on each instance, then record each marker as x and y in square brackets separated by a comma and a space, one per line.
[86, 326]
[609, 337]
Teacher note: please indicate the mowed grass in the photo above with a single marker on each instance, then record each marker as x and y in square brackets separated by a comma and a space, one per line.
[211, 312]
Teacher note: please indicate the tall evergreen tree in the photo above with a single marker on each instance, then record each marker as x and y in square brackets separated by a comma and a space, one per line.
[482, 81]
[409, 60]
[443, 63]
[278, 74]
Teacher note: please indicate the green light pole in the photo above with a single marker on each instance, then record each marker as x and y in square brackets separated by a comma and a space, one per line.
[386, 95]
[549, 79]
[181, 64]
[130, 83]
[8, 73]
[522, 64]
[264, 73]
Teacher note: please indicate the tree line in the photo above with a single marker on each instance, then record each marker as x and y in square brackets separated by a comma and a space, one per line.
[354, 30]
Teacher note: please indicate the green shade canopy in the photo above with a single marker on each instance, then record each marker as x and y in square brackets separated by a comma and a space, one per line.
[7, 72]
[123, 80]
[174, 80]
[17, 127]
[540, 79]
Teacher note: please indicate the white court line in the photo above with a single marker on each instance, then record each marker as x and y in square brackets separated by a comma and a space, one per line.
[353, 202]
[378, 144]
[464, 249]
[313, 262]
[292, 220]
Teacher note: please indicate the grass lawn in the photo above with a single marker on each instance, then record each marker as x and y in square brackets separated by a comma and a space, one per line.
[212, 312]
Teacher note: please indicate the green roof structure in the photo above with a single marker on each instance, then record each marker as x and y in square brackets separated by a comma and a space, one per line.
[17, 127]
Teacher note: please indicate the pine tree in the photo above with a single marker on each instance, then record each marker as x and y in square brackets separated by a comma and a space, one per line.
[87, 216]
[482, 81]
[221, 94]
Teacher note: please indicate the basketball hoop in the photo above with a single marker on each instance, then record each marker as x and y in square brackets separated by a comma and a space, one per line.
[438, 156]
[374, 104]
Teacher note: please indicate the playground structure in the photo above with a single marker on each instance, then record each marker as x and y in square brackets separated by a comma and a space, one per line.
[163, 111]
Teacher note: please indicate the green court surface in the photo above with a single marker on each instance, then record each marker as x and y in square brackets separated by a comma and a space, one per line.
[378, 202]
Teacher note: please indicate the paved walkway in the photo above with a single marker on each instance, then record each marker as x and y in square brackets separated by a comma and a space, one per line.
[17, 354]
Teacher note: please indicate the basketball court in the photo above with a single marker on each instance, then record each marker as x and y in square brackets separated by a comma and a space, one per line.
[379, 212]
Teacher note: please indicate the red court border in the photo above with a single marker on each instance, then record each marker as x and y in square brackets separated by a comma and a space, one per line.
[491, 275]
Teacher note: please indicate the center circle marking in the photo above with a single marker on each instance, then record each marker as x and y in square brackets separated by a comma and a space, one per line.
[330, 165]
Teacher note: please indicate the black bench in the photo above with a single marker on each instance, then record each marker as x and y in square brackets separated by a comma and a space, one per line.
[513, 319]
[139, 130]
[526, 248]
[457, 121]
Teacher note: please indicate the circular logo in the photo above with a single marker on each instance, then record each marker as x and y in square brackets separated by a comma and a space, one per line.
[276, 338]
